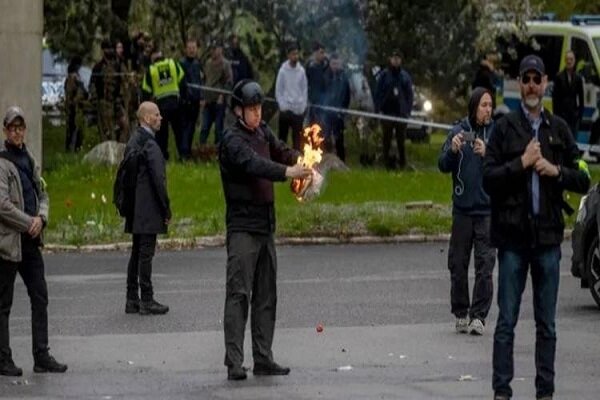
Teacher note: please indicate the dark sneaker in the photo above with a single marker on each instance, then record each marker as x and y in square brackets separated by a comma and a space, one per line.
[132, 306]
[270, 369]
[236, 373]
[46, 363]
[8, 367]
[153, 307]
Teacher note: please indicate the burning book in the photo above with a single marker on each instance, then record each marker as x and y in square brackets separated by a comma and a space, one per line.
[310, 187]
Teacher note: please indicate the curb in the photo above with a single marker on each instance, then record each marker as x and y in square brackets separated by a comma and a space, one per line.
[203, 242]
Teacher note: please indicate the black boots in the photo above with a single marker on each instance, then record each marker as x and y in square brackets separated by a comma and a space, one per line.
[152, 307]
[7, 365]
[132, 306]
[270, 369]
[44, 362]
[236, 373]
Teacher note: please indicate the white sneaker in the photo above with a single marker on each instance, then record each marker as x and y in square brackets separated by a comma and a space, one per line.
[462, 325]
[476, 327]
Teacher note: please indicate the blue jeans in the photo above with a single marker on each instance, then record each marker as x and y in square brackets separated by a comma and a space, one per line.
[212, 112]
[512, 277]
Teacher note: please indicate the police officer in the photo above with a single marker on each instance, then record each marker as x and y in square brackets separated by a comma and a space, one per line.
[251, 158]
[394, 96]
[105, 87]
[161, 84]
[23, 216]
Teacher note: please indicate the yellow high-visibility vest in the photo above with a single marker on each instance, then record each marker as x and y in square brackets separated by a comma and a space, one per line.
[165, 76]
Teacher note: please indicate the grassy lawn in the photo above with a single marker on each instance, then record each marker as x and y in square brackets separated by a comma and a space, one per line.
[361, 201]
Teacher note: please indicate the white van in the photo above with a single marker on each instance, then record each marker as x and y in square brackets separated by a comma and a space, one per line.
[551, 40]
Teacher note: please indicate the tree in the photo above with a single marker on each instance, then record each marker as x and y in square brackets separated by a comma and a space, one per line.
[72, 27]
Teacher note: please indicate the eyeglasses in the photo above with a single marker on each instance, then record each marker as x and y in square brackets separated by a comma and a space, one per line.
[14, 128]
[527, 78]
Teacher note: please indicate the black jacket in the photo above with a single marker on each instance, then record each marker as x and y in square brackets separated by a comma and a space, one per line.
[567, 97]
[190, 92]
[152, 204]
[240, 65]
[394, 93]
[317, 81]
[250, 161]
[509, 185]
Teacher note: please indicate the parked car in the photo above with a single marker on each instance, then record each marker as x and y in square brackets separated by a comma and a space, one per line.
[585, 262]
[421, 111]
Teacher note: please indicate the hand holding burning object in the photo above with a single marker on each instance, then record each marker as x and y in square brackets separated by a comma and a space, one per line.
[306, 188]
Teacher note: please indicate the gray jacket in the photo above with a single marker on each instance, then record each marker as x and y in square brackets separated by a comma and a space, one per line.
[13, 220]
[152, 206]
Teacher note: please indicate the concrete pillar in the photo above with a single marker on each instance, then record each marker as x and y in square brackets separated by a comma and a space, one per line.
[21, 26]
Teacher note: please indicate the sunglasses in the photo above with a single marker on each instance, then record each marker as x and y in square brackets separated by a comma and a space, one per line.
[527, 78]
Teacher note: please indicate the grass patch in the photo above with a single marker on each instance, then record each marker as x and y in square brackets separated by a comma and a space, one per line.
[363, 201]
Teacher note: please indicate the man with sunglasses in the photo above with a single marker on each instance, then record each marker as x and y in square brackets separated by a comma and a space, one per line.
[23, 216]
[530, 160]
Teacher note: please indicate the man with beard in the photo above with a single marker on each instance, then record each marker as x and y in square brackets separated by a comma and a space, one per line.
[530, 160]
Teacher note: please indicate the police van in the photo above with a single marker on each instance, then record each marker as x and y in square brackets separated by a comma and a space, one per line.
[551, 40]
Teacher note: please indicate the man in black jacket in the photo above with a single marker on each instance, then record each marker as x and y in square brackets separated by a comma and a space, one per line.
[251, 158]
[530, 160]
[567, 95]
[152, 212]
[192, 99]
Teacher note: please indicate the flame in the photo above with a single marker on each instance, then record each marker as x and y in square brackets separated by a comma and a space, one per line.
[311, 156]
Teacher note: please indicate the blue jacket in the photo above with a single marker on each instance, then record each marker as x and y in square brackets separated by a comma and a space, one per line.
[468, 195]
[394, 93]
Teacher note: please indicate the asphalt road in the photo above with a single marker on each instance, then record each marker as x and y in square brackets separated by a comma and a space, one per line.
[385, 311]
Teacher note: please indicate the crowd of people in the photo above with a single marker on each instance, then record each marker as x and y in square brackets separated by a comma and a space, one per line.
[190, 87]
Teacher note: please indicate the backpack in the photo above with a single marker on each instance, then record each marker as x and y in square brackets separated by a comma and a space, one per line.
[126, 181]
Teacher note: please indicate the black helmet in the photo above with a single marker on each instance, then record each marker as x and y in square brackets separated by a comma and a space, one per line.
[246, 93]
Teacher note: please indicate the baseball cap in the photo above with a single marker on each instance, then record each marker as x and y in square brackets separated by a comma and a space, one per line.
[532, 63]
[13, 113]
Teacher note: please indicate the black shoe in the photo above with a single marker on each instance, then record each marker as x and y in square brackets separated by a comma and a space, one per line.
[270, 369]
[44, 362]
[8, 367]
[152, 307]
[132, 306]
[236, 373]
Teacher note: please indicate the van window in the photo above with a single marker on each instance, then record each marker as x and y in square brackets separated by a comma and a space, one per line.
[584, 60]
[548, 47]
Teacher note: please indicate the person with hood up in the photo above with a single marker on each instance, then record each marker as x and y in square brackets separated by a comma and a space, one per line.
[462, 155]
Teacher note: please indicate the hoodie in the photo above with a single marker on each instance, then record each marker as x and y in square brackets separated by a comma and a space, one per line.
[291, 89]
[468, 195]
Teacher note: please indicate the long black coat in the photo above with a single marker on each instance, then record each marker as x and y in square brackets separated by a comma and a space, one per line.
[152, 206]
[567, 98]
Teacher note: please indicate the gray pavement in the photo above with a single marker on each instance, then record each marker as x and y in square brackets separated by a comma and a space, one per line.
[384, 308]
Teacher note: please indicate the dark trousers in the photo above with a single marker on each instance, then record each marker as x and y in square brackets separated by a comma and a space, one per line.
[471, 232]
[390, 129]
[139, 270]
[288, 120]
[31, 269]
[212, 113]
[334, 136]
[251, 282]
[544, 266]
[169, 111]
[189, 117]
[74, 135]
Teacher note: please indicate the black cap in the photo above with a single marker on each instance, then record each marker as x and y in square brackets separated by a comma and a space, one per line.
[396, 53]
[532, 63]
[246, 93]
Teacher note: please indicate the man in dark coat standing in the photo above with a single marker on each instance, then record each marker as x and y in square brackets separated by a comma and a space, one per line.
[152, 212]
[251, 158]
[567, 95]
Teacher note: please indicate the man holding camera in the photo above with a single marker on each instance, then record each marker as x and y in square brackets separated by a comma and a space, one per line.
[462, 155]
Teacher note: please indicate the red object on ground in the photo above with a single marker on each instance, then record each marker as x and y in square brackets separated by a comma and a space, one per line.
[319, 328]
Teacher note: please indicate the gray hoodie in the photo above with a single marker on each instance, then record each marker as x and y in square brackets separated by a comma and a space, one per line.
[291, 88]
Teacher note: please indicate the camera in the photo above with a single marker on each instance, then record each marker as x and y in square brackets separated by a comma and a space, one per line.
[468, 137]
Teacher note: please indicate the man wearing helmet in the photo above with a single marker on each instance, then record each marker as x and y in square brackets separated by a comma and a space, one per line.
[251, 159]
